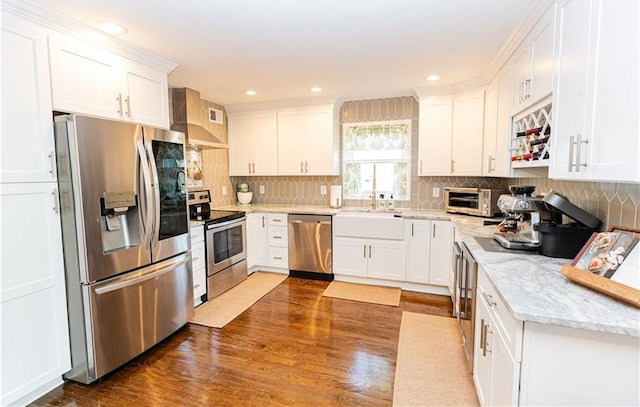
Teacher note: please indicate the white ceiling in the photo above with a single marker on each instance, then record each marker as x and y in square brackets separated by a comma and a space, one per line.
[353, 49]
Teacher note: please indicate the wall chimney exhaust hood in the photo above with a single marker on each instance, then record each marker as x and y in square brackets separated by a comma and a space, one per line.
[197, 119]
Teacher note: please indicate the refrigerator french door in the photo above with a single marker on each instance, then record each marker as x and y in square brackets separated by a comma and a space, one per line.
[126, 242]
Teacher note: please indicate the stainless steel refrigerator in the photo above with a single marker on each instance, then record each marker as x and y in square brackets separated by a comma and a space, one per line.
[126, 239]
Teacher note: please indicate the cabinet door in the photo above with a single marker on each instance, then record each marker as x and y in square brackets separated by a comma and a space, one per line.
[146, 97]
[419, 238]
[541, 45]
[387, 260]
[84, 78]
[505, 373]
[439, 262]
[291, 136]
[265, 145]
[482, 360]
[256, 239]
[490, 128]
[521, 63]
[350, 257]
[466, 147]
[27, 147]
[434, 136]
[319, 149]
[592, 141]
[497, 125]
[241, 129]
[35, 338]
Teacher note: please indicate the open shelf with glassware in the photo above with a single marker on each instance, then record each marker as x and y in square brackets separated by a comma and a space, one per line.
[530, 144]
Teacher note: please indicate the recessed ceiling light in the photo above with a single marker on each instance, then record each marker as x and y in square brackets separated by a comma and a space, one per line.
[112, 28]
[250, 92]
[433, 77]
[316, 89]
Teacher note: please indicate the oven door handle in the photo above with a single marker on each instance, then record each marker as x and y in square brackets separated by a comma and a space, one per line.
[231, 222]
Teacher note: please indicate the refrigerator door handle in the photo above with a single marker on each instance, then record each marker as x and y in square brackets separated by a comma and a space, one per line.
[137, 280]
[156, 191]
[146, 176]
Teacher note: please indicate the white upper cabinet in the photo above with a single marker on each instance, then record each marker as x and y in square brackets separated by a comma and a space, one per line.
[91, 80]
[533, 64]
[253, 143]
[466, 145]
[434, 135]
[27, 148]
[497, 125]
[596, 97]
[307, 141]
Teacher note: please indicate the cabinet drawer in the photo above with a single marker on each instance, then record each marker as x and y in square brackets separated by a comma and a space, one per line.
[198, 259]
[509, 328]
[278, 236]
[197, 234]
[277, 219]
[278, 257]
[199, 282]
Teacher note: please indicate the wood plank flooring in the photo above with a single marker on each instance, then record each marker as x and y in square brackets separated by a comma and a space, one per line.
[292, 348]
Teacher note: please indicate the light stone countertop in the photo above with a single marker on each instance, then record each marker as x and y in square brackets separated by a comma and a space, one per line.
[531, 286]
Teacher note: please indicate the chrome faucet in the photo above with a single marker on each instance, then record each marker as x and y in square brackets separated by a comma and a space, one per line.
[373, 189]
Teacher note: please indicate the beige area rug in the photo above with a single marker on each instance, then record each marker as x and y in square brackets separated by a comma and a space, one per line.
[431, 369]
[221, 310]
[363, 293]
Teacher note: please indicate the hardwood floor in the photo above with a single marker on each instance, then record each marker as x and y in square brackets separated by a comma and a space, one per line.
[292, 348]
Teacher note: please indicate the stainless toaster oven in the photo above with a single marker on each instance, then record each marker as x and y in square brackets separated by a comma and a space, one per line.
[472, 201]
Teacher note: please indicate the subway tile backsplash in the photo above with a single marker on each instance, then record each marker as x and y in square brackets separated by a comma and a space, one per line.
[613, 203]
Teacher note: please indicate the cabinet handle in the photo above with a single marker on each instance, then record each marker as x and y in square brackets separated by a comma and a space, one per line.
[306, 167]
[52, 160]
[263, 225]
[578, 152]
[453, 166]
[301, 167]
[119, 99]
[277, 237]
[522, 90]
[482, 333]
[249, 168]
[369, 251]
[484, 348]
[364, 251]
[196, 258]
[420, 166]
[56, 207]
[127, 105]
[411, 229]
[491, 158]
[433, 234]
[196, 286]
[277, 258]
[489, 299]
[276, 220]
[253, 167]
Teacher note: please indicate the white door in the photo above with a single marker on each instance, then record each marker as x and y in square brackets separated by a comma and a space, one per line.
[440, 261]
[542, 41]
[418, 237]
[265, 145]
[387, 259]
[146, 97]
[319, 139]
[35, 337]
[350, 257]
[241, 129]
[434, 136]
[291, 136]
[466, 145]
[27, 151]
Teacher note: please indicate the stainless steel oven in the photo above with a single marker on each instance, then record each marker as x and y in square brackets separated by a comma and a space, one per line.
[466, 271]
[226, 252]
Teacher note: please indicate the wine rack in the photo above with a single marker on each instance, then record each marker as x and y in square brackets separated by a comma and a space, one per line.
[531, 140]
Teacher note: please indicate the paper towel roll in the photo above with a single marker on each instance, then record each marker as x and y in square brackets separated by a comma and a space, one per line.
[335, 196]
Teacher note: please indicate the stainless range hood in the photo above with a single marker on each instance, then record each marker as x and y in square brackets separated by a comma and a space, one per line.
[192, 117]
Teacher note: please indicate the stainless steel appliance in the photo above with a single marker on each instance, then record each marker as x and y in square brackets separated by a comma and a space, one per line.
[126, 241]
[310, 245]
[472, 201]
[536, 222]
[466, 271]
[225, 240]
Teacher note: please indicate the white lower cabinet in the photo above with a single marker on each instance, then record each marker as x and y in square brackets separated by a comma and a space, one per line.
[35, 337]
[256, 239]
[376, 258]
[429, 244]
[199, 264]
[496, 371]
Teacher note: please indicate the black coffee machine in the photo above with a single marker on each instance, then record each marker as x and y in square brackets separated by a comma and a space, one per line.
[558, 239]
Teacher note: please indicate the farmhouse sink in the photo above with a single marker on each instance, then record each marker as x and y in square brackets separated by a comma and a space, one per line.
[374, 225]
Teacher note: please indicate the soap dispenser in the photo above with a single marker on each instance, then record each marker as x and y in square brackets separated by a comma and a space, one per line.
[391, 205]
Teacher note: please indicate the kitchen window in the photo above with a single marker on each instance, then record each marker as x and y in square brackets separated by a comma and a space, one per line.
[377, 149]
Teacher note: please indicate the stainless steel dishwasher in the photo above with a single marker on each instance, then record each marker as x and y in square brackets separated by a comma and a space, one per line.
[310, 246]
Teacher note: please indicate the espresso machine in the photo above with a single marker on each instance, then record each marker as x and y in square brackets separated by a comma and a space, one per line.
[536, 223]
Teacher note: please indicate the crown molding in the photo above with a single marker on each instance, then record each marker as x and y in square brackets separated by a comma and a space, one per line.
[66, 25]
[454, 89]
[282, 104]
